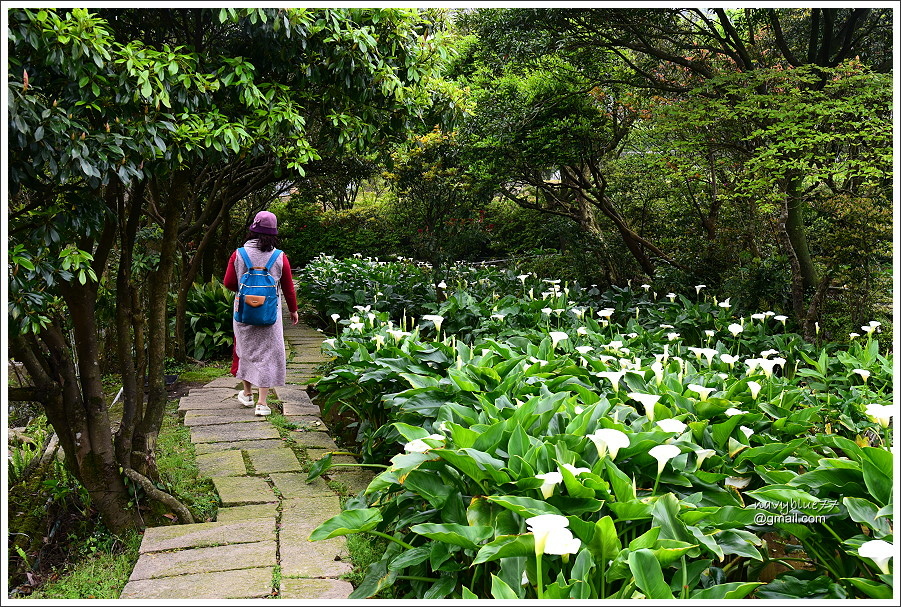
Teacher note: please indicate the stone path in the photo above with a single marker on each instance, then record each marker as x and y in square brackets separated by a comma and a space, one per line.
[258, 546]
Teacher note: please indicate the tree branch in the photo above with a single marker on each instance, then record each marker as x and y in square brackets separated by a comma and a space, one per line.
[184, 515]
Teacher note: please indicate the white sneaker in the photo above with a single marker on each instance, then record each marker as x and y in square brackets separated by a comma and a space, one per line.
[262, 410]
[245, 399]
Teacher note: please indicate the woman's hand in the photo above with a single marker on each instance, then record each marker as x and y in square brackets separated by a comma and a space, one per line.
[294, 318]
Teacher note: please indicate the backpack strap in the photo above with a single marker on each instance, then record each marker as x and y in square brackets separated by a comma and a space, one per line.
[245, 257]
[275, 254]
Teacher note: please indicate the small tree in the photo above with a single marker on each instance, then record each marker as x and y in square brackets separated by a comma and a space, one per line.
[437, 197]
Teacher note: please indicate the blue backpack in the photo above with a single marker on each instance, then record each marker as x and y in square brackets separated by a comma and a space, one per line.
[257, 300]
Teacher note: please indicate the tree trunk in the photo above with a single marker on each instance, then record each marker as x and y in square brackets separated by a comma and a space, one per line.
[797, 236]
[74, 404]
[589, 226]
[191, 270]
[132, 386]
[144, 439]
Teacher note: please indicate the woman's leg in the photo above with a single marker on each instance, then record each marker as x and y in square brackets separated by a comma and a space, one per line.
[264, 394]
[247, 387]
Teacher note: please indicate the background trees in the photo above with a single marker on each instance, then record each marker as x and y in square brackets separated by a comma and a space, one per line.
[165, 120]
[764, 68]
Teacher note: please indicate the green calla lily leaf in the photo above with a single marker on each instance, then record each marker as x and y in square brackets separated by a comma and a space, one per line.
[348, 522]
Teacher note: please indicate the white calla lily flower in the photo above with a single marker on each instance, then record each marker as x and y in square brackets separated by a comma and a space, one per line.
[703, 454]
[663, 454]
[613, 376]
[735, 329]
[609, 441]
[576, 471]
[672, 425]
[551, 534]
[550, 480]
[704, 391]
[557, 337]
[754, 387]
[739, 482]
[878, 551]
[729, 359]
[864, 374]
[881, 414]
[437, 319]
[647, 400]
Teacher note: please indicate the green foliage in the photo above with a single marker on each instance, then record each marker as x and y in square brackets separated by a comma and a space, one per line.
[176, 461]
[436, 195]
[209, 333]
[485, 411]
[101, 573]
[308, 232]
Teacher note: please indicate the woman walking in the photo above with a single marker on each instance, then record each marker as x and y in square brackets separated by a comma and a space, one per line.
[258, 355]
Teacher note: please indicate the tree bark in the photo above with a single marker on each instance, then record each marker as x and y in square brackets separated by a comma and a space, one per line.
[797, 237]
[144, 439]
[132, 386]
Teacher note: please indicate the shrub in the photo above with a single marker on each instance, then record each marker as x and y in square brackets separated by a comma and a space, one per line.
[208, 332]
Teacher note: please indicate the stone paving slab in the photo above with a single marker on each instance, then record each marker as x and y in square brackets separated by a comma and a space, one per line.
[222, 433]
[201, 448]
[240, 490]
[312, 589]
[306, 356]
[205, 560]
[187, 403]
[307, 423]
[218, 392]
[173, 537]
[301, 557]
[310, 511]
[226, 381]
[317, 440]
[294, 484]
[240, 584]
[296, 393]
[211, 417]
[352, 478]
[265, 461]
[222, 463]
[251, 511]
[291, 409]
[315, 455]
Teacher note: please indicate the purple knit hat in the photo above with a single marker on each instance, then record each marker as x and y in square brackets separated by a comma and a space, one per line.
[264, 223]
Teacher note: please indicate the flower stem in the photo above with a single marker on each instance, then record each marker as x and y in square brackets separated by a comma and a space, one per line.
[392, 538]
[540, 575]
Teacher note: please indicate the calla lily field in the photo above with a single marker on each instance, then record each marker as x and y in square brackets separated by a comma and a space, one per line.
[543, 440]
